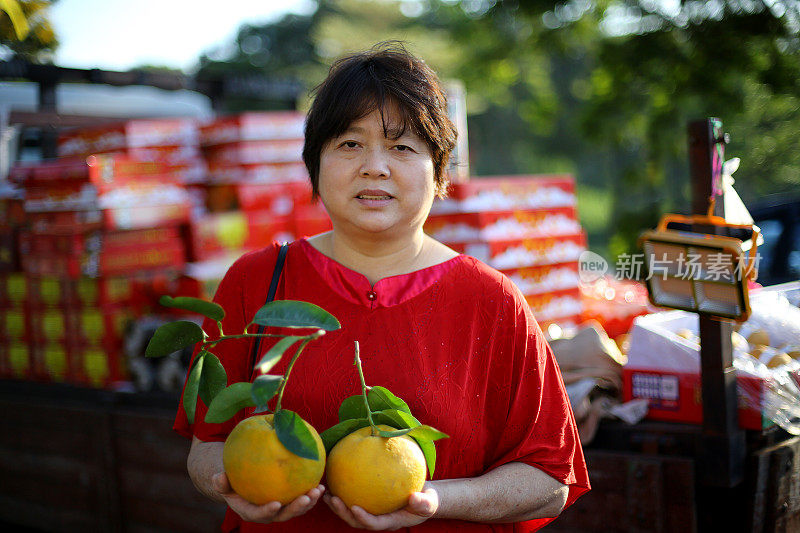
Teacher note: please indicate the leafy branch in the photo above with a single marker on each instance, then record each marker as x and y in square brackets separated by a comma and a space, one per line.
[379, 406]
[207, 377]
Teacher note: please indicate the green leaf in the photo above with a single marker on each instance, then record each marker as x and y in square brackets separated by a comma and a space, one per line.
[428, 432]
[173, 336]
[230, 401]
[352, 407]
[429, 451]
[208, 309]
[294, 435]
[334, 434]
[381, 398]
[275, 353]
[264, 389]
[192, 386]
[213, 377]
[295, 314]
[396, 419]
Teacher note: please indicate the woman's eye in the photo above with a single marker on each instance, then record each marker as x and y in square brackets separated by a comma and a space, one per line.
[350, 144]
[403, 148]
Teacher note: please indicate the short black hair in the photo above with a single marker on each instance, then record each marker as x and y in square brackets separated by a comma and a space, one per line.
[387, 74]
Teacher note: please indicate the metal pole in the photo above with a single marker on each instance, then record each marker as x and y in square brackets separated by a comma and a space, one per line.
[47, 103]
[722, 454]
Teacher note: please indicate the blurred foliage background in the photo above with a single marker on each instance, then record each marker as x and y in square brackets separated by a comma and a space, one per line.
[601, 89]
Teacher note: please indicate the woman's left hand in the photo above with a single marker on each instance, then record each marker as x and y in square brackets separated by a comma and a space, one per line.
[421, 506]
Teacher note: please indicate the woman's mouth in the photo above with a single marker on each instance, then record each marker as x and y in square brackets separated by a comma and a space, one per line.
[373, 197]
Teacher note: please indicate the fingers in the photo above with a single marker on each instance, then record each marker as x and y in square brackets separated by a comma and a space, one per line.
[423, 507]
[300, 505]
[341, 510]
[273, 511]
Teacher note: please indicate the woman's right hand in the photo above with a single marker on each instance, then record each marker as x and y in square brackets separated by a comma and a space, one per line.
[269, 512]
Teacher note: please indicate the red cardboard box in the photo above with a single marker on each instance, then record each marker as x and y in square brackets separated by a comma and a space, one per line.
[258, 173]
[554, 305]
[310, 220]
[14, 324]
[12, 210]
[83, 292]
[215, 234]
[278, 199]
[519, 253]
[9, 249]
[264, 228]
[81, 243]
[501, 193]
[503, 225]
[543, 279]
[48, 325]
[130, 134]
[98, 292]
[171, 155]
[677, 397]
[103, 171]
[112, 263]
[49, 361]
[13, 289]
[137, 217]
[15, 360]
[96, 325]
[97, 365]
[253, 126]
[256, 152]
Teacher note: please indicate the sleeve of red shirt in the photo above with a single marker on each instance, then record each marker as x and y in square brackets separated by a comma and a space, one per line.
[233, 354]
[540, 428]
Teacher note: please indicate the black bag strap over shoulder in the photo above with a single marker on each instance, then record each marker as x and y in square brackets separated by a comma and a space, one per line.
[273, 287]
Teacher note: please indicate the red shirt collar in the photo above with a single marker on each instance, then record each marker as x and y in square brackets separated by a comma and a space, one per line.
[387, 292]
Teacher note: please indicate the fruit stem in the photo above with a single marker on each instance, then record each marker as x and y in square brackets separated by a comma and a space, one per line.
[364, 392]
[316, 335]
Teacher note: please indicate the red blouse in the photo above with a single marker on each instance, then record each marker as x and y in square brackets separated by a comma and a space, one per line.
[456, 341]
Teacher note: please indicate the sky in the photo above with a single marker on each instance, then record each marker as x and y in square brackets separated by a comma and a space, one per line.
[121, 34]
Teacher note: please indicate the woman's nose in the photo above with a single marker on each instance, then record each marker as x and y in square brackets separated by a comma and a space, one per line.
[375, 165]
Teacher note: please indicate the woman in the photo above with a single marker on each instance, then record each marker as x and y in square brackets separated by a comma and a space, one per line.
[448, 334]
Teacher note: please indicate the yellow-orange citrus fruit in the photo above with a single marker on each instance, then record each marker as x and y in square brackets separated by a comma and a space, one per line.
[376, 473]
[779, 360]
[759, 336]
[261, 470]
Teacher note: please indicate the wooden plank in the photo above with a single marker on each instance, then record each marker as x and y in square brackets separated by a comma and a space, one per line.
[160, 487]
[149, 441]
[42, 517]
[146, 515]
[633, 492]
[645, 485]
[679, 506]
[43, 491]
[55, 430]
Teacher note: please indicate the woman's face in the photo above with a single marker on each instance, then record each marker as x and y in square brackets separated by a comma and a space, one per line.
[371, 183]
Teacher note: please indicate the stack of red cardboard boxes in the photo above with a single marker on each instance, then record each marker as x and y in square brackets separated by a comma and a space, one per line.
[526, 227]
[13, 346]
[170, 141]
[98, 231]
[257, 190]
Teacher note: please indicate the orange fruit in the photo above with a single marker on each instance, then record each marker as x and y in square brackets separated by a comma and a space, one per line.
[376, 473]
[779, 360]
[759, 337]
[261, 470]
